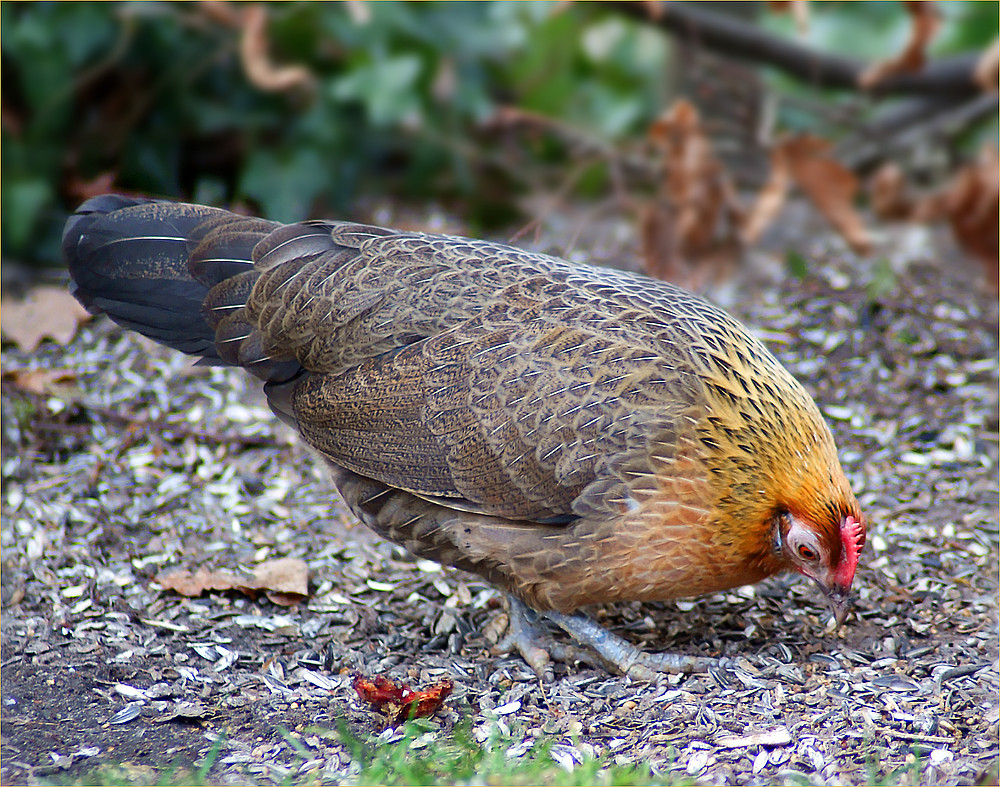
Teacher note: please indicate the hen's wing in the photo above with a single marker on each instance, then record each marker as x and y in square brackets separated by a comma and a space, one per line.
[480, 377]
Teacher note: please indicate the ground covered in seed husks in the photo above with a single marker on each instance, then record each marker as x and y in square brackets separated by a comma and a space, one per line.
[131, 463]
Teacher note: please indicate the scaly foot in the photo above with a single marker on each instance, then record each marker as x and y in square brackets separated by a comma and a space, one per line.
[622, 655]
[528, 638]
[534, 642]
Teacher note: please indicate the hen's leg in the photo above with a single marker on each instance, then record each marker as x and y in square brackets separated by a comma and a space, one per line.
[528, 636]
[624, 656]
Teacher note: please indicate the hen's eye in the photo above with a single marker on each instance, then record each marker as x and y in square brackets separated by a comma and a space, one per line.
[807, 553]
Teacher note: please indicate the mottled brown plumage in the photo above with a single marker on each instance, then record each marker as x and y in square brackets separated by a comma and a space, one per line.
[573, 434]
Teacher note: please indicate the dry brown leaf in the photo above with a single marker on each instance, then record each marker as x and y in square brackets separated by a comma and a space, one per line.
[970, 203]
[924, 21]
[285, 581]
[256, 58]
[284, 575]
[888, 198]
[283, 599]
[973, 203]
[659, 243]
[987, 71]
[655, 9]
[829, 185]
[40, 381]
[692, 222]
[770, 199]
[81, 190]
[188, 584]
[47, 312]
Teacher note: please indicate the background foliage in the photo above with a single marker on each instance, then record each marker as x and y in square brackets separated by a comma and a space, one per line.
[400, 99]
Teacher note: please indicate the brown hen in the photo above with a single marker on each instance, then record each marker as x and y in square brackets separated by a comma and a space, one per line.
[573, 434]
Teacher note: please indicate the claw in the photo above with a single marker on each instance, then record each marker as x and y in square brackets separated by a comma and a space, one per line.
[525, 636]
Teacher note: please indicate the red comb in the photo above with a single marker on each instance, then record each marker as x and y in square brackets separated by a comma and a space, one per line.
[852, 536]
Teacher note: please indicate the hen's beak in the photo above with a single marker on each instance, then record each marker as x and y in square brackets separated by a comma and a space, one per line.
[840, 600]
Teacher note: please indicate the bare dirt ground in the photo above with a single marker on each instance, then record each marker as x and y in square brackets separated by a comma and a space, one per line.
[132, 462]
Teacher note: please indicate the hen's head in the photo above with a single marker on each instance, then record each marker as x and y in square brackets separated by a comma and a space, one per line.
[826, 555]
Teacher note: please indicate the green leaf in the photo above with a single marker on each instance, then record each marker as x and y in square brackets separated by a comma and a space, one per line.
[387, 88]
[965, 26]
[882, 281]
[23, 202]
[796, 264]
[285, 184]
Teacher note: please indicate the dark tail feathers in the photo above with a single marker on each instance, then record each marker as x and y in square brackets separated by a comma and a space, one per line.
[150, 265]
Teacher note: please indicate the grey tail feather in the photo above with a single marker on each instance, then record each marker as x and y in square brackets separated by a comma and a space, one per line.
[128, 258]
[150, 265]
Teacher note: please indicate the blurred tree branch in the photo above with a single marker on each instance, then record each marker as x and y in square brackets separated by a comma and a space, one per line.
[953, 76]
[911, 122]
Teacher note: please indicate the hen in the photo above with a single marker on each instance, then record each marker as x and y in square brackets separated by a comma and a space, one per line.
[573, 434]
